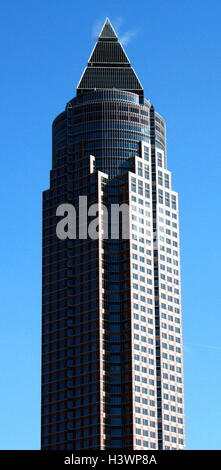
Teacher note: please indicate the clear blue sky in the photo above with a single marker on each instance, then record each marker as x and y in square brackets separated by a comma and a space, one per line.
[175, 49]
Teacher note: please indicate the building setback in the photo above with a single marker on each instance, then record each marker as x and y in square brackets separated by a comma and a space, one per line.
[112, 365]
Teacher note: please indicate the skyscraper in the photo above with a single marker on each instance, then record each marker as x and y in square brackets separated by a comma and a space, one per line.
[112, 366]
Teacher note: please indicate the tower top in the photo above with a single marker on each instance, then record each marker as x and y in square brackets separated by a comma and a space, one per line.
[107, 31]
[108, 66]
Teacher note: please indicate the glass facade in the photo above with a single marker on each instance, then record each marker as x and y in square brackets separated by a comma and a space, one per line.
[110, 124]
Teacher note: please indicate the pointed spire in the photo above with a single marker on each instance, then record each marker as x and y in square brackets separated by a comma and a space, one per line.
[108, 66]
[107, 31]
